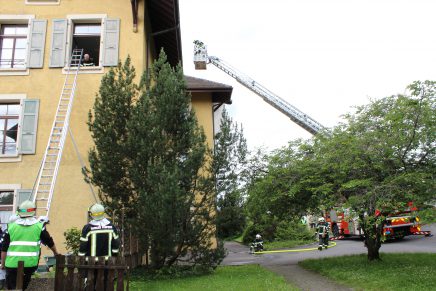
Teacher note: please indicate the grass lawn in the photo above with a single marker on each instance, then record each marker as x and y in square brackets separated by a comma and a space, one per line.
[248, 277]
[394, 272]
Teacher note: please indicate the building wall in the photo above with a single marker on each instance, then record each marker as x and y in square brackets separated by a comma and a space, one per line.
[72, 195]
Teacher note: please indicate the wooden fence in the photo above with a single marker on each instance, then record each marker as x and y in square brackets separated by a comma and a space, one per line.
[86, 273]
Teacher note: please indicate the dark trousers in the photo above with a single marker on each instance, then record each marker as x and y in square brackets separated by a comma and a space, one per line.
[11, 277]
[323, 241]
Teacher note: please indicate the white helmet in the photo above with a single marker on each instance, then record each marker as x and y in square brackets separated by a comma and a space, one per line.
[27, 209]
[321, 219]
[258, 236]
[96, 211]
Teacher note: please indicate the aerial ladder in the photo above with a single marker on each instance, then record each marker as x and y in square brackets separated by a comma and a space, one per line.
[201, 59]
[45, 183]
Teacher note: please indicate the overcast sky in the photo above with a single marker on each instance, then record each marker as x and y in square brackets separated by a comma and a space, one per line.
[322, 56]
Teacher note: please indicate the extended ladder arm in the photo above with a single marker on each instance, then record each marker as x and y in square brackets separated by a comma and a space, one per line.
[201, 59]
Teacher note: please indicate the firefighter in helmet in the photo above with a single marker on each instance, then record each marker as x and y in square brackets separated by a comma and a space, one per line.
[21, 242]
[99, 236]
[322, 229]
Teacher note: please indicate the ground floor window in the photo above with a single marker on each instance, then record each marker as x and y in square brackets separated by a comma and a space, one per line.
[6, 206]
[9, 116]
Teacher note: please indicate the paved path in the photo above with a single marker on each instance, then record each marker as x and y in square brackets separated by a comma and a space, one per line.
[286, 264]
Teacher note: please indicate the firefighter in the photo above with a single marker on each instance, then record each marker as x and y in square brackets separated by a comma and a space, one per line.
[21, 242]
[322, 229]
[99, 238]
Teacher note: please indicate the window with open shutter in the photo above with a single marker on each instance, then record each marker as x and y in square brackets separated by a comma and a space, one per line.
[111, 42]
[35, 54]
[29, 125]
[58, 43]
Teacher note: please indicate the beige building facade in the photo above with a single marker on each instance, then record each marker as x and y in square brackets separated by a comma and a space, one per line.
[36, 41]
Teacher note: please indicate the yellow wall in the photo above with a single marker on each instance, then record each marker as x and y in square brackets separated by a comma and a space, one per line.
[72, 195]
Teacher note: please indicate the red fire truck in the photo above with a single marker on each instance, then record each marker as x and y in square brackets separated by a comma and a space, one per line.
[396, 226]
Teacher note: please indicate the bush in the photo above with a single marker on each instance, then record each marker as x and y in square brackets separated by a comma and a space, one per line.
[428, 215]
[72, 240]
[292, 230]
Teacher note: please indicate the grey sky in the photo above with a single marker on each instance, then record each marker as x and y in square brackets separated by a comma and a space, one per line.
[322, 56]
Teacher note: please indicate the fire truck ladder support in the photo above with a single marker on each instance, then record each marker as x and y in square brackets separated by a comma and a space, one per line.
[201, 58]
[46, 180]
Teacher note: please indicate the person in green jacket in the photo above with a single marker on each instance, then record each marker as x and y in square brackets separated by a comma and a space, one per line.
[21, 242]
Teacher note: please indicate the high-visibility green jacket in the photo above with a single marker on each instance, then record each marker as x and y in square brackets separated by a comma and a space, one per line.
[24, 244]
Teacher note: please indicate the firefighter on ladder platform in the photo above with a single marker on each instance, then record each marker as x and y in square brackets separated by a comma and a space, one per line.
[322, 230]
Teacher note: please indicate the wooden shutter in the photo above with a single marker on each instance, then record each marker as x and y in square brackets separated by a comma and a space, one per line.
[111, 42]
[58, 43]
[35, 53]
[28, 126]
[23, 195]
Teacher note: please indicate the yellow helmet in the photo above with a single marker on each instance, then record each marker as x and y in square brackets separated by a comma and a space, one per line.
[27, 209]
[96, 211]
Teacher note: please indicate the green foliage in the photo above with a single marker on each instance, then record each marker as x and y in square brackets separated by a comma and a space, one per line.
[151, 158]
[230, 154]
[383, 157]
[411, 271]
[72, 240]
[293, 230]
[248, 277]
[427, 215]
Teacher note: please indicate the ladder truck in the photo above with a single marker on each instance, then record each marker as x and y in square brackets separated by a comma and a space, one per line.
[201, 59]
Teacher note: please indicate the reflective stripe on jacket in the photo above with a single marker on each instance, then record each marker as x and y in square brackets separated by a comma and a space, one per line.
[24, 245]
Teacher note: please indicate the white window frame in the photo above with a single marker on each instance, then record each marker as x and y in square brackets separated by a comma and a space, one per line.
[14, 188]
[13, 98]
[85, 18]
[42, 2]
[17, 19]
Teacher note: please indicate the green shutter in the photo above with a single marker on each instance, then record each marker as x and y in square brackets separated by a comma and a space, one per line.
[58, 43]
[23, 195]
[29, 125]
[111, 42]
[35, 54]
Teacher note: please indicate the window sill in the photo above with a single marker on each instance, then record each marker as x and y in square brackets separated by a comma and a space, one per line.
[14, 72]
[85, 70]
[10, 158]
[42, 2]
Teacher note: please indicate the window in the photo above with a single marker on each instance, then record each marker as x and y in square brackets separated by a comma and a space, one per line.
[87, 36]
[6, 206]
[18, 126]
[9, 114]
[22, 42]
[13, 46]
[97, 35]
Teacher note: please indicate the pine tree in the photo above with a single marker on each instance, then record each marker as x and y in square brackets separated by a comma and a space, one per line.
[230, 154]
[109, 158]
[151, 158]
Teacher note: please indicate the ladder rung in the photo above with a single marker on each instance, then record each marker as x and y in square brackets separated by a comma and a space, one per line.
[43, 191]
[45, 208]
[44, 184]
[47, 169]
[46, 176]
[41, 199]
